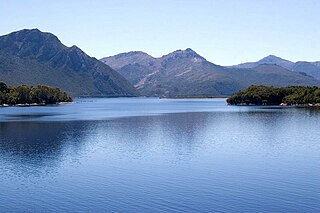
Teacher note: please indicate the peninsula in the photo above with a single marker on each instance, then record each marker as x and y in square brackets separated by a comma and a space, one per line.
[287, 96]
[25, 95]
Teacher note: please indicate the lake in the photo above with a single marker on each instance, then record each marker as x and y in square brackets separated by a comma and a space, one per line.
[159, 155]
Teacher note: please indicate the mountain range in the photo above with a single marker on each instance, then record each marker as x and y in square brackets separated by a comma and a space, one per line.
[186, 73]
[309, 68]
[34, 57]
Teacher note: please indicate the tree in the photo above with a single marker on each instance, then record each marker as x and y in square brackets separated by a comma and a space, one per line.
[3, 87]
[25, 94]
[262, 95]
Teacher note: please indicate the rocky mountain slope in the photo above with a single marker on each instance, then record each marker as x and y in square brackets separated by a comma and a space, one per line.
[186, 73]
[34, 57]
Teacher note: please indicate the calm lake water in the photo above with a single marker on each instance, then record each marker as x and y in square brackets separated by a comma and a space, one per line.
[159, 155]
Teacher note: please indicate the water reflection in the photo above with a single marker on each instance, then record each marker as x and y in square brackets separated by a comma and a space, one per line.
[226, 159]
[40, 146]
[174, 136]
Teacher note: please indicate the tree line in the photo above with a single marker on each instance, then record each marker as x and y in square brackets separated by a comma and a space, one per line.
[25, 94]
[264, 95]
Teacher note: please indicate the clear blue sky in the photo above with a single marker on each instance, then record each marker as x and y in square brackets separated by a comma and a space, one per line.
[223, 31]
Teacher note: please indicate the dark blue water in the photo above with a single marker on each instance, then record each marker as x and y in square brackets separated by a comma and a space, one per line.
[158, 155]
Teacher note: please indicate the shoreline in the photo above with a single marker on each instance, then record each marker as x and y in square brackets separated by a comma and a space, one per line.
[282, 105]
[34, 104]
[193, 97]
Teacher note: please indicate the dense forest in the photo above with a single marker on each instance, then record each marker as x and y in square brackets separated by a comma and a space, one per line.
[263, 95]
[25, 94]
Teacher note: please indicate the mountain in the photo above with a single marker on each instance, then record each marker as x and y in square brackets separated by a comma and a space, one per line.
[309, 68]
[272, 75]
[34, 57]
[182, 72]
[271, 59]
[123, 59]
[317, 63]
[186, 73]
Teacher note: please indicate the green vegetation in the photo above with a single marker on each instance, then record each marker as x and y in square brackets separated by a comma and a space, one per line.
[25, 95]
[33, 57]
[263, 95]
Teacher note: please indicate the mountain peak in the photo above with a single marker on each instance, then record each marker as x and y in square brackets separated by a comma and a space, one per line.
[32, 35]
[272, 56]
[188, 50]
[122, 59]
[28, 30]
[31, 43]
[133, 53]
[187, 53]
[271, 59]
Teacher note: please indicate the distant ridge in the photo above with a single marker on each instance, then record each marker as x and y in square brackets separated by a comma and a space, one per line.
[186, 73]
[270, 59]
[309, 68]
[33, 57]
